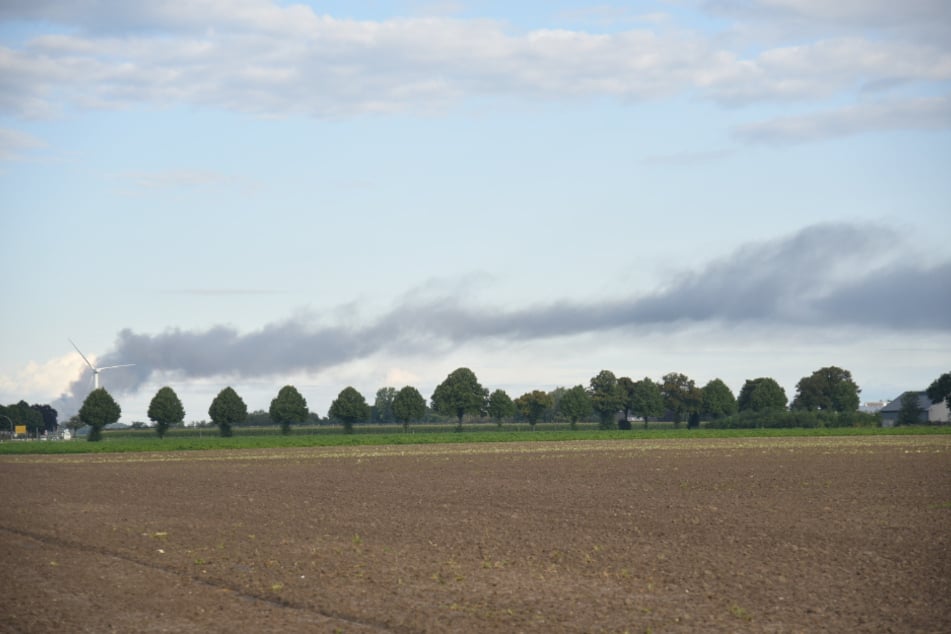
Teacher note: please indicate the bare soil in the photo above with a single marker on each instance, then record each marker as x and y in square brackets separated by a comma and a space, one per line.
[755, 535]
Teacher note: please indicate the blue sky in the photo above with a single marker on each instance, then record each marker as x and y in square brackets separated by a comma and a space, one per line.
[375, 193]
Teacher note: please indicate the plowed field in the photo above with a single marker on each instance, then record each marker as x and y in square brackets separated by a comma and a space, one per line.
[757, 535]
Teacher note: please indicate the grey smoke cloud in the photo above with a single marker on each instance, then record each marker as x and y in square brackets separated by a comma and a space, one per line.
[825, 275]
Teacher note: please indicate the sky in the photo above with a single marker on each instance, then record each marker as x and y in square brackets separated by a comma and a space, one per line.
[329, 194]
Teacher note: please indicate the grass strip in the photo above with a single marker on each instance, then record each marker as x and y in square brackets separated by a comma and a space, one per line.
[145, 441]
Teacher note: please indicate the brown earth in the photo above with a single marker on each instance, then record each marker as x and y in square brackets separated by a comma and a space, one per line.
[758, 535]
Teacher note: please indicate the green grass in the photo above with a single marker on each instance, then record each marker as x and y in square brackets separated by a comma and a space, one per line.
[266, 438]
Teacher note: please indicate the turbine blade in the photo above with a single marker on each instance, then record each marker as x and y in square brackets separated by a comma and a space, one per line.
[82, 355]
[121, 365]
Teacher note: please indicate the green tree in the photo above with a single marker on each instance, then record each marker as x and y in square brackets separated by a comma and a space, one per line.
[349, 407]
[606, 397]
[459, 394]
[760, 395]
[681, 395]
[48, 415]
[575, 405]
[500, 406]
[647, 400]
[940, 389]
[258, 418]
[383, 405]
[827, 389]
[74, 424]
[626, 386]
[226, 410]
[553, 413]
[24, 414]
[910, 412]
[532, 406]
[718, 400]
[6, 421]
[288, 407]
[408, 405]
[98, 410]
[36, 418]
[165, 410]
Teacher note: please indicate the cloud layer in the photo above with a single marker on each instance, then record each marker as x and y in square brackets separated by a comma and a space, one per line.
[263, 58]
[828, 276]
[908, 114]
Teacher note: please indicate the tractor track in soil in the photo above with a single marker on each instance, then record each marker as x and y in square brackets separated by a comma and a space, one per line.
[212, 585]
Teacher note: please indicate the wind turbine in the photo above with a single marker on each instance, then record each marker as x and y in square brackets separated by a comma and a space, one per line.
[95, 370]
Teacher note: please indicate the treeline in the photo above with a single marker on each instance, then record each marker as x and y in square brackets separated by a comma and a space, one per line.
[36, 418]
[828, 397]
[803, 419]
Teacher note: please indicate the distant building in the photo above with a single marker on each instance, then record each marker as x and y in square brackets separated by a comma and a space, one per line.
[928, 412]
[872, 406]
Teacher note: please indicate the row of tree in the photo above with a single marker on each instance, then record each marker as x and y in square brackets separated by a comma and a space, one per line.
[614, 401]
[36, 418]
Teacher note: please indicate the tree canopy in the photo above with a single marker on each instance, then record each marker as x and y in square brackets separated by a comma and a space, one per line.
[532, 405]
[500, 406]
[606, 397]
[626, 386]
[408, 405]
[22, 413]
[575, 404]
[717, 399]
[460, 394]
[288, 407]
[383, 405]
[227, 409]
[165, 410]
[909, 412]
[681, 395]
[762, 394]
[647, 400]
[827, 389]
[349, 407]
[48, 414]
[940, 389]
[98, 410]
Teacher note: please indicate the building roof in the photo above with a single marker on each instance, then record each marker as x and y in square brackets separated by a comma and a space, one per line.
[924, 403]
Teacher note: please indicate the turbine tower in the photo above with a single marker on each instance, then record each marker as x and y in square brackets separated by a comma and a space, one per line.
[95, 370]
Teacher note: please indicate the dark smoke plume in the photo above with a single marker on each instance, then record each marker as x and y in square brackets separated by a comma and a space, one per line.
[830, 275]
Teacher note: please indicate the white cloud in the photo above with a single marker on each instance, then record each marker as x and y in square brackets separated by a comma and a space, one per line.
[770, 23]
[398, 377]
[826, 68]
[909, 114]
[38, 382]
[264, 58]
[14, 143]
[118, 16]
[267, 59]
[863, 13]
